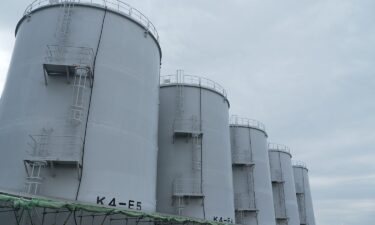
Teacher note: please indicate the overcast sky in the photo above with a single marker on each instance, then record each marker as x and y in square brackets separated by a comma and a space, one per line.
[303, 67]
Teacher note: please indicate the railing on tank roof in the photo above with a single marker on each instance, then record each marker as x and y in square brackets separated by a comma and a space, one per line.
[194, 80]
[299, 164]
[115, 5]
[242, 121]
[278, 147]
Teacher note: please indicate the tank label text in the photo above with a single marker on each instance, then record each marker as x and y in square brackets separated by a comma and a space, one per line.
[222, 219]
[130, 204]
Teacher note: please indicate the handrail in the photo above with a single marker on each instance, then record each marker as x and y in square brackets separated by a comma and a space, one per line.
[278, 147]
[244, 201]
[114, 5]
[45, 145]
[194, 80]
[241, 157]
[187, 125]
[187, 186]
[242, 121]
[58, 53]
[299, 164]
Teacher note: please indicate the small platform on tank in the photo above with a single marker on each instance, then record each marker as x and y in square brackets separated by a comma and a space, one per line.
[188, 195]
[60, 70]
[239, 163]
[247, 210]
[186, 128]
[282, 218]
[187, 133]
[52, 163]
[278, 181]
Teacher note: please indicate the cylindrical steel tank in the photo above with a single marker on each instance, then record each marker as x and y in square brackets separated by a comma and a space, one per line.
[284, 192]
[194, 160]
[303, 191]
[79, 112]
[253, 199]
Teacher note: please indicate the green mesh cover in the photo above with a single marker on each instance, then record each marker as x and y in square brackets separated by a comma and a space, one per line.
[36, 201]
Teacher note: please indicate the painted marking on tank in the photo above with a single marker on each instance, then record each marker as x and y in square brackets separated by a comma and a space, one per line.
[137, 205]
[222, 219]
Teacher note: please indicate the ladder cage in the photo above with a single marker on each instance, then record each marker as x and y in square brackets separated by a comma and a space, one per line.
[80, 85]
[280, 204]
[302, 207]
[244, 202]
[33, 175]
[197, 155]
[244, 217]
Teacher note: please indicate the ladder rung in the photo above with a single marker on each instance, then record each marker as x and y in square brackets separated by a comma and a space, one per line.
[78, 107]
[80, 86]
[34, 178]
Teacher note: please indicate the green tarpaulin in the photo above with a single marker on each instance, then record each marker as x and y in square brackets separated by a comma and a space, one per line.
[17, 202]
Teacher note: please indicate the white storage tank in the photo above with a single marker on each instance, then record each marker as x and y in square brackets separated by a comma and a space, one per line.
[194, 160]
[303, 192]
[78, 118]
[284, 192]
[253, 199]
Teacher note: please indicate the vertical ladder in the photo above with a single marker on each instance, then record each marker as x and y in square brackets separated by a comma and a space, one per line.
[33, 182]
[64, 20]
[179, 115]
[42, 145]
[62, 30]
[197, 147]
[302, 199]
[235, 141]
[36, 163]
[235, 149]
[239, 217]
[250, 185]
[282, 188]
[252, 177]
[281, 168]
[180, 93]
[192, 131]
[282, 198]
[180, 205]
[82, 74]
[197, 160]
[254, 195]
[250, 146]
[34, 178]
